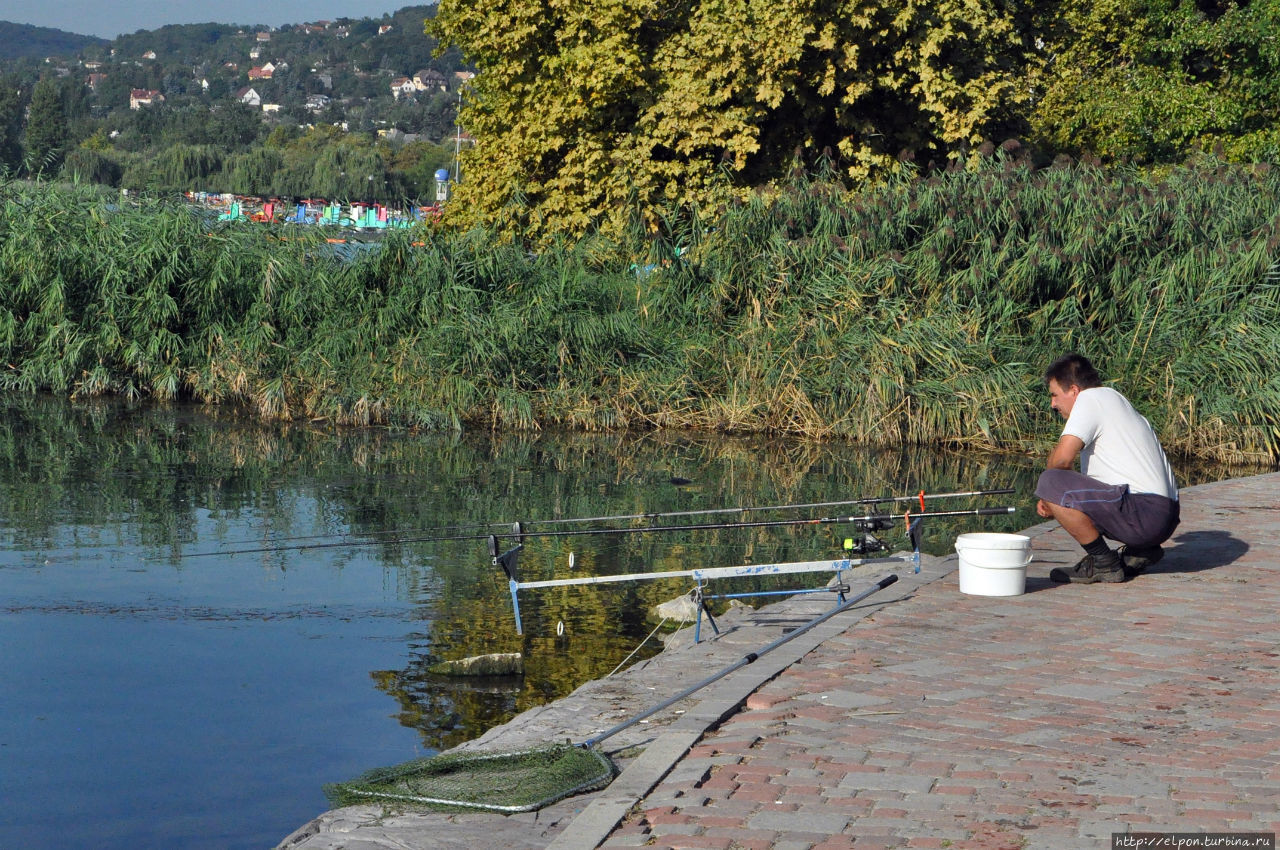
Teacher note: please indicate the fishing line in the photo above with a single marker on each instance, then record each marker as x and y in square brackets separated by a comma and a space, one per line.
[520, 529]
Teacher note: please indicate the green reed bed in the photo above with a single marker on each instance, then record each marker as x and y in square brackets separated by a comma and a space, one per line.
[920, 310]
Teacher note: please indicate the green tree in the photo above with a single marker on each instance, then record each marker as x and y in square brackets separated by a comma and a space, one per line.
[13, 103]
[1152, 80]
[581, 110]
[252, 172]
[47, 130]
[88, 165]
[413, 168]
[351, 172]
[236, 125]
[186, 167]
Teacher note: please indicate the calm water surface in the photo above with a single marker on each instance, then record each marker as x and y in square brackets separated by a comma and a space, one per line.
[204, 619]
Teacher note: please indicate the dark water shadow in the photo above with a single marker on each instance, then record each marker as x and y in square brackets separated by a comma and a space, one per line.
[1195, 551]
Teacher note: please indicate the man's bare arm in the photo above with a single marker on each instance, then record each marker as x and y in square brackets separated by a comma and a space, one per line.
[1065, 453]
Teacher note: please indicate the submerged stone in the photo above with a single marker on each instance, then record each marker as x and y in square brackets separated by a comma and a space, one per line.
[496, 664]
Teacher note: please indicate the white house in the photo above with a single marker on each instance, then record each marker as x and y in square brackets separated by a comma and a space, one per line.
[402, 85]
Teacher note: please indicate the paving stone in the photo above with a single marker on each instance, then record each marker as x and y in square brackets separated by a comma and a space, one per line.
[806, 821]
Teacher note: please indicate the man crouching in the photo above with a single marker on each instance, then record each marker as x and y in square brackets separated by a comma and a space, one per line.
[1124, 490]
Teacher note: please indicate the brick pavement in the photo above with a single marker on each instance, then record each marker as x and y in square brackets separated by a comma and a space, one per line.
[1049, 720]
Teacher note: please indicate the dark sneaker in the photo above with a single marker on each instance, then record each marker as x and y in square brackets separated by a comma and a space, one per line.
[1138, 558]
[1090, 569]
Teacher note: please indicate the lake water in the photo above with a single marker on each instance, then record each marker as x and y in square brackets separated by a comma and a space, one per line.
[203, 619]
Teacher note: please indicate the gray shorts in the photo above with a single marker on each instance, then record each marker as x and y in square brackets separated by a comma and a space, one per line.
[1135, 519]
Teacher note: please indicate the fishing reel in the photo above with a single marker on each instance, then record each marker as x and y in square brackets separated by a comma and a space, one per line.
[865, 542]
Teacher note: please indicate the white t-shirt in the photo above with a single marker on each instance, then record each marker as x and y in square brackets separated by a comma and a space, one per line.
[1120, 447]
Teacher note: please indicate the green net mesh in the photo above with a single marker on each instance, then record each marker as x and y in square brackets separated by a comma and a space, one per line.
[512, 781]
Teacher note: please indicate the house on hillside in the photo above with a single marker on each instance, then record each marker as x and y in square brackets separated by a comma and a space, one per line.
[318, 102]
[150, 54]
[402, 85]
[139, 98]
[94, 79]
[430, 79]
[264, 36]
[384, 29]
[250, 96]
[262, 72]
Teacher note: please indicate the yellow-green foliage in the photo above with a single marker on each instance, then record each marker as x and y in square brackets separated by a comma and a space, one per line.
[584, 111]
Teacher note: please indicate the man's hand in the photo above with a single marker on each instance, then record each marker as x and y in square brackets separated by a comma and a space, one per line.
[1042, 508]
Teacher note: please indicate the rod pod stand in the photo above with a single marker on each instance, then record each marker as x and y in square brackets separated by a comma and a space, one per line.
[509, 562]
[749, 658]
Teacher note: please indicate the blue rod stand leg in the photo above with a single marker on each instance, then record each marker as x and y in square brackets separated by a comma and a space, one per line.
[515, 604]
[509, 561]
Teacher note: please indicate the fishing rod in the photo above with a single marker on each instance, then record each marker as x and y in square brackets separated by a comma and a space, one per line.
[922, 497]
[869, 520]
[518, 530]
[368, 538]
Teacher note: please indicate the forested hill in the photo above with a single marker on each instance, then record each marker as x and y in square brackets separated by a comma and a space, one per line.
[23, 41]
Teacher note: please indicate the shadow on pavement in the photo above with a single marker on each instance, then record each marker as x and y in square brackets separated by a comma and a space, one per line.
[1191, 552]
[1200, 550]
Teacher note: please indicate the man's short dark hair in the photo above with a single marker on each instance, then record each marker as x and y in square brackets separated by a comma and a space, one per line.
[1072, 370]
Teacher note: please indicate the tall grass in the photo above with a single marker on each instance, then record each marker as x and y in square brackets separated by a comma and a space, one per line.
[919, 310]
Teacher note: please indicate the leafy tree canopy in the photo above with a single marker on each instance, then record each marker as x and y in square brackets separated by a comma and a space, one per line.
[1151, 80]
[580, 111]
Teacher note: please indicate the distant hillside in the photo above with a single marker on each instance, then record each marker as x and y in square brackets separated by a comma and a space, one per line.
[23, 41]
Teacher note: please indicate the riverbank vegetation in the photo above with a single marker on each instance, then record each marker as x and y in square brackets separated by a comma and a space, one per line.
[581, 113]
[919, 310]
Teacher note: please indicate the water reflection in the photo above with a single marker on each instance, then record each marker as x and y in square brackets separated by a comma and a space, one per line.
[178, 697]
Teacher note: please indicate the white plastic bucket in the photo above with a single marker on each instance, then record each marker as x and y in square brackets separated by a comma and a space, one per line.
[993, 564]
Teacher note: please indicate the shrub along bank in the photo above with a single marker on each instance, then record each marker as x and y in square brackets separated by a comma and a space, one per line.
[918, 310]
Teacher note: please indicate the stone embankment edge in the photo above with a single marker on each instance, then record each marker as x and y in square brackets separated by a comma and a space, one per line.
[596, 822]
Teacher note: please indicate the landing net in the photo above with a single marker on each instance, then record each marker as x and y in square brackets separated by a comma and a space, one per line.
[511, 781]
[526, 780]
